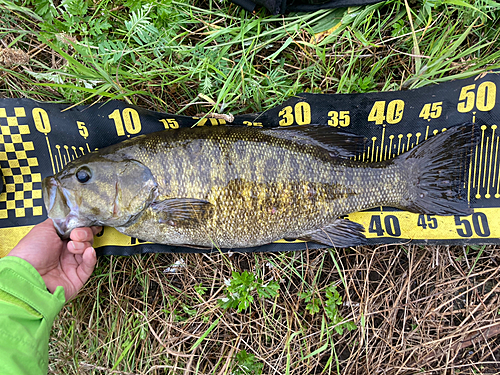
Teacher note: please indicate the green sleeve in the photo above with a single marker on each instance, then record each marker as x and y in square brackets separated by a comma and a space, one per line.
[27, 311]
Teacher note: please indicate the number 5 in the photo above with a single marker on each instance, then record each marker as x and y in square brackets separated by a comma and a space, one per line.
[469, 98]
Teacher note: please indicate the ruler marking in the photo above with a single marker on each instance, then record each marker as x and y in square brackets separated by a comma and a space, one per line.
[373, 148]
[493, 128]
[486, 160]
[382, 144]
[409, 135]
[475, 166]
[469, 184]
[495, 167]
[479, 169]
[391, 137]
[67, 152]
[60, 157]
[50, 154]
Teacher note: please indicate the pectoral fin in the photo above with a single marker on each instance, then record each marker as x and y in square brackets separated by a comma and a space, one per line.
[182, 211]
[341, 233]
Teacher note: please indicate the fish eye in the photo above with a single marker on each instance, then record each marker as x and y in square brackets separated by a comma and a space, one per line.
[83, 174]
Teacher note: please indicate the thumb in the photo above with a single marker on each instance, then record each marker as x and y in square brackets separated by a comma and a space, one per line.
[86, 267]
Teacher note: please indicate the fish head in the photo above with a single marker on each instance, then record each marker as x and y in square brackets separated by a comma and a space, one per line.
[96, 190]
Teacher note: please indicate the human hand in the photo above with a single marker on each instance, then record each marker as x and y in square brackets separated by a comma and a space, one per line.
[66, 263]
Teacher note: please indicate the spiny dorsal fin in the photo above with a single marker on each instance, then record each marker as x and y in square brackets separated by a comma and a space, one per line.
[337, 143]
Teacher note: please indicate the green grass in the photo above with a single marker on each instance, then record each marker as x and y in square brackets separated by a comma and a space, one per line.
[139, 315]
[163, 54]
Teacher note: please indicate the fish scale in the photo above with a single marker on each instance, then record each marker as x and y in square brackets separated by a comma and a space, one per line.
[238, 187]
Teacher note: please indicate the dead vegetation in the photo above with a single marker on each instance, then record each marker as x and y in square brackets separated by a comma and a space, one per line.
[429, 310]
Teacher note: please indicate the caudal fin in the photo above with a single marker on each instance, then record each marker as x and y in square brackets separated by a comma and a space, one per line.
[438, 169]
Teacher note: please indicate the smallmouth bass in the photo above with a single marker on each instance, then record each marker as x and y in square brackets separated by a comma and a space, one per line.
[236, 187]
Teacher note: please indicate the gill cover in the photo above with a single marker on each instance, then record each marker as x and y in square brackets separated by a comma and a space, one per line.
[98, 191]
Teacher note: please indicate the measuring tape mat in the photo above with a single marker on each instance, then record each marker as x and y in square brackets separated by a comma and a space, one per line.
[38, 139]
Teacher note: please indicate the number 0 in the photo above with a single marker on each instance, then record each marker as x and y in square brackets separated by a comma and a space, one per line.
[41, 119]
[395, 110]
[131, 120]
[486, 96]
[302, 113]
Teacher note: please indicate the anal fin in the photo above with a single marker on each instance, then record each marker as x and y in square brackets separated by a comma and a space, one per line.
[341, 233]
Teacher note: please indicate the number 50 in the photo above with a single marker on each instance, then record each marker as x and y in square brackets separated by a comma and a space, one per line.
[484, 98]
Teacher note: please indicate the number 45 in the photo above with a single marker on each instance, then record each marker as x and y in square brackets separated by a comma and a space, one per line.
[432, 110]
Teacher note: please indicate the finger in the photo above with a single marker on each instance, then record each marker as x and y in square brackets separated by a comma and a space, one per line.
[47, 223]
[87, 265]
[82, 234]
[96, 230]
[77, 247]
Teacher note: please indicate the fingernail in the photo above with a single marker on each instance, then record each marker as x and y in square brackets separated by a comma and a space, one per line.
[81, 235]
[77, 246]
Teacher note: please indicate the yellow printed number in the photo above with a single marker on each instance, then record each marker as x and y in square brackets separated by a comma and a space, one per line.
[431, 110]
[131, 120]
[300, 114]
[287, 116]
[213, 121]
[170, 123]
[484, 98]
[393, 115]
[82, 129]
[250, 123]
[41, 119]
[340, 118]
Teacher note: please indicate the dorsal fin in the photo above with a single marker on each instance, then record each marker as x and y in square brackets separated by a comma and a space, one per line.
[338, 143]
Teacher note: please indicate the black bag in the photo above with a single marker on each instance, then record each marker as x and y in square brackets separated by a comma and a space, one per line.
[284, 6]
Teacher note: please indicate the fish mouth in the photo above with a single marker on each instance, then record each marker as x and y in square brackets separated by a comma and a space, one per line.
[59, 208]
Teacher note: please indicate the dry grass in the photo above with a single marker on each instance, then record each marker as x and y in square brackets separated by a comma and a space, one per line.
[429, 310]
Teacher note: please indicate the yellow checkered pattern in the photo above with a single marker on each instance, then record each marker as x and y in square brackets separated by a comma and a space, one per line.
[22, 192]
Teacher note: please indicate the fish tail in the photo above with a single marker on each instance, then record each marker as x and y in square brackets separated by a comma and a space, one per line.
[438, 169]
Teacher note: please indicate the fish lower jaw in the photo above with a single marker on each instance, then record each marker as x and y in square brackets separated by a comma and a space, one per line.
[66, 225]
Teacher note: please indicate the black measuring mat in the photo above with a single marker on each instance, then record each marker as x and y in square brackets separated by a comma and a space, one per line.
[39, 139]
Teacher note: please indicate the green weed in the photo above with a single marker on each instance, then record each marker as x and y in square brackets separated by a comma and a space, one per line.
[246, 364]
[242, 288]
[331, 303]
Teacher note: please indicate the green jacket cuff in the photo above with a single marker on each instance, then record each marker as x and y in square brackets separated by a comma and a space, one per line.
[22, 281]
